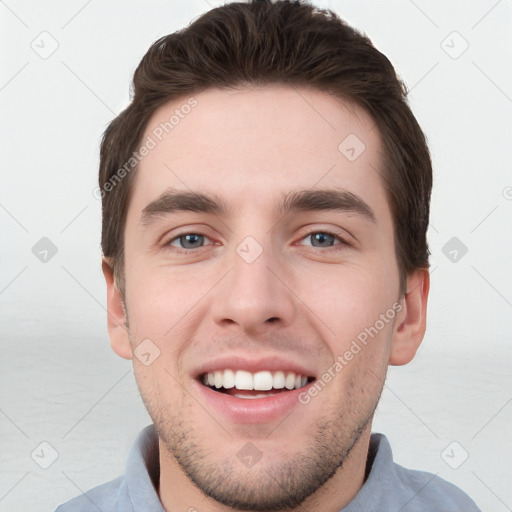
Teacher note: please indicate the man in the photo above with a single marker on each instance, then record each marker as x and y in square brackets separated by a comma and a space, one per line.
[265, 206]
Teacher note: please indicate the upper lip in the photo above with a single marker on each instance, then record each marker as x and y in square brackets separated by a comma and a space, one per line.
[269, 363]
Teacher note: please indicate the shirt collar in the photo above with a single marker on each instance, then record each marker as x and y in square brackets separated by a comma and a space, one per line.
[143, 472]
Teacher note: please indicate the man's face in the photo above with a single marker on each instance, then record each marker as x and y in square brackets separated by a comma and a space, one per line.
[257, 288]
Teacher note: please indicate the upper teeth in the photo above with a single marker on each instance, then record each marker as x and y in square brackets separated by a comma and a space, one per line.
[261, 381]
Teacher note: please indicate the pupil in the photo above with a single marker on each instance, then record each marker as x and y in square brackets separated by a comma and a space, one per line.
[188, 241]
[322, 238]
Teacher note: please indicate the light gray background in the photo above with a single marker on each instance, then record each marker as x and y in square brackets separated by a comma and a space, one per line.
[60, 381]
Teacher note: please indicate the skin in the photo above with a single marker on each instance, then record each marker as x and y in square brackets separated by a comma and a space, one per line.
[248, 146]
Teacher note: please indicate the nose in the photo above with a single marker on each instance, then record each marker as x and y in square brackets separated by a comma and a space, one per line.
[254, 295]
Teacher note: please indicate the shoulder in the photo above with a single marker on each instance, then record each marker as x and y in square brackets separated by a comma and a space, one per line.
[427, 490]
[394, 487]
[104, 497]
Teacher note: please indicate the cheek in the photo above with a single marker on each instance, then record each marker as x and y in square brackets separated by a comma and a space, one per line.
[352, 300]
[357, 305]
[160, 391]
[159, 302]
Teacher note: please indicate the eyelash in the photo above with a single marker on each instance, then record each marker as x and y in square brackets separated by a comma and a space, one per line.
[190, 252]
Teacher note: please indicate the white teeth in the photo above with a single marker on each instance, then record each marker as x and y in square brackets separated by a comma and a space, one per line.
[218, 378]
[289, 382]
[278, 380]
[229, 379]
[243, 380]
[259, 381]
[263, 381]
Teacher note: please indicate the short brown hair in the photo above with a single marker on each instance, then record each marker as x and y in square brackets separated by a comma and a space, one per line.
[266, 42]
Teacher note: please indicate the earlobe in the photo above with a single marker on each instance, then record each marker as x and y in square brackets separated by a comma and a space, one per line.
[410, 327]
[117, 331]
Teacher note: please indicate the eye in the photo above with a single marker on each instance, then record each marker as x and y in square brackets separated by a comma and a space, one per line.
[188, 241]
[324, 239]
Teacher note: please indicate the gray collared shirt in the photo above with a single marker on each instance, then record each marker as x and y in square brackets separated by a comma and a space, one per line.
[388, 488]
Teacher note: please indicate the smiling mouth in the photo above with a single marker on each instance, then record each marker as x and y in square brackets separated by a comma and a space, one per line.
[248, 385]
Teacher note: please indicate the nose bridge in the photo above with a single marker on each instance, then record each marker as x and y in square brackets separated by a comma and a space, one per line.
[251, 295]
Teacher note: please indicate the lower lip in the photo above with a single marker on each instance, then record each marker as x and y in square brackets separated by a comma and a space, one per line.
[255, 410]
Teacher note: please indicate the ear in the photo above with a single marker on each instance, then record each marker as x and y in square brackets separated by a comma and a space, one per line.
[411, 323]
[117, 331]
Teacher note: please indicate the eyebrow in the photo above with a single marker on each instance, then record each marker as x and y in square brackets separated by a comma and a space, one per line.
[174, 201]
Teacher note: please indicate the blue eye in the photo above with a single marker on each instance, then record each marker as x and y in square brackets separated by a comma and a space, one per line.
[188, 241]
[322, 238]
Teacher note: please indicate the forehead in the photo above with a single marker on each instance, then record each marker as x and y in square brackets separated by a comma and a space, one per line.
[252, 144]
